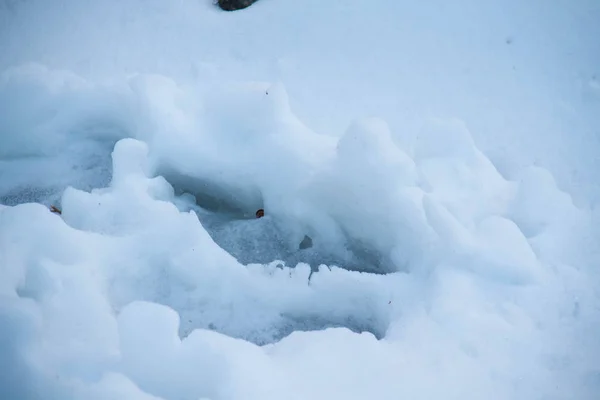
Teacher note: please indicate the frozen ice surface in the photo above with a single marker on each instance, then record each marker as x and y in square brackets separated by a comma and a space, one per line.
[443, 159]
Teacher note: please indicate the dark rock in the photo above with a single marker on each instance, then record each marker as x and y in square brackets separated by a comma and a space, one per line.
[306, 243]
[232, 5]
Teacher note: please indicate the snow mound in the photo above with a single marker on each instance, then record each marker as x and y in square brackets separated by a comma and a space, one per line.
[139, 243]
[446, 180]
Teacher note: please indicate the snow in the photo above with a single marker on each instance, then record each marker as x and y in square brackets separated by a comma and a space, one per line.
[441, 157]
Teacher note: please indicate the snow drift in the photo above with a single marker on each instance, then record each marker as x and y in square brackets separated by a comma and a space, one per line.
[444, 262]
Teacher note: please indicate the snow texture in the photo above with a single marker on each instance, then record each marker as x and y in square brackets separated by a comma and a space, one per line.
[441, 157]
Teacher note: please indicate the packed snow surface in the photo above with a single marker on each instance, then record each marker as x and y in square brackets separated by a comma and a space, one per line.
[442, 157]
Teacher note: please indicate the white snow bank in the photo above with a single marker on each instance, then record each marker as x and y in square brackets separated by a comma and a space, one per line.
[436, 208]
[485, 285]
[82, 276]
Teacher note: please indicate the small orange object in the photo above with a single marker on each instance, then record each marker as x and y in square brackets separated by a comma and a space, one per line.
[260, 213]
[55, 210]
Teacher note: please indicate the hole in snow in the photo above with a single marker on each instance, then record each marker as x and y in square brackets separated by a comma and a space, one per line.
[229, 216]
[274, 244]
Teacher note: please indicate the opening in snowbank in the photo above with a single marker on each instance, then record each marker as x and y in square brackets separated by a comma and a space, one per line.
[187, 271]
[242, 149]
